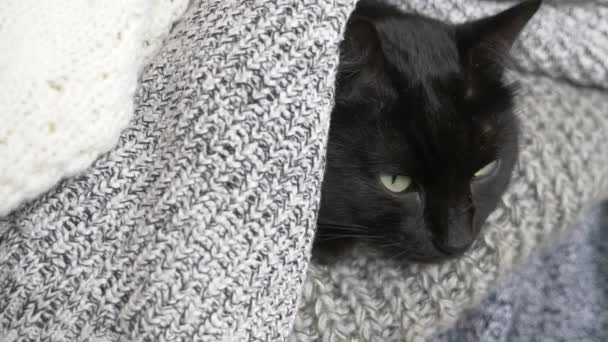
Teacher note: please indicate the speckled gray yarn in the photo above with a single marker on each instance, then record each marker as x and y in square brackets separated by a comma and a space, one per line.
[560, 295]
[197, 226]
[563, 165]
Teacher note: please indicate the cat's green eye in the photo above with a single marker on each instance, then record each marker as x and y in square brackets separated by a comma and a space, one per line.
[486, 170]
[395, 183]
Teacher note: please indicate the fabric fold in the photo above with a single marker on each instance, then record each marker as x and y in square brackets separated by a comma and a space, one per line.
[198, 225]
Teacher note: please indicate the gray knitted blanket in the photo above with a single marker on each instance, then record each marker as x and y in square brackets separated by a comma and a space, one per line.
[198, 225]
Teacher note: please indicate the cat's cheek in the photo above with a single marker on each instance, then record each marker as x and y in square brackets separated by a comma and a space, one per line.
[412, 203]
[485, 196]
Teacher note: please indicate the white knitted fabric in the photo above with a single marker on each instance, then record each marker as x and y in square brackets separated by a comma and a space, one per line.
[68, 73]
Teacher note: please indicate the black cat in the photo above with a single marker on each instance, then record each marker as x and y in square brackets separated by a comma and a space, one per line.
[423, 138]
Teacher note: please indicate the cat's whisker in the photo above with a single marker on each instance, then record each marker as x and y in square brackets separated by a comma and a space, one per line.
[326, 237]
[398, 255]
[341, 226]
[354, 234]
[341, 223]
[388, 245]
[343, 232]
[466, 209]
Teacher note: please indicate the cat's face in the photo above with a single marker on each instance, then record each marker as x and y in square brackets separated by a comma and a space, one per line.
[423, 139]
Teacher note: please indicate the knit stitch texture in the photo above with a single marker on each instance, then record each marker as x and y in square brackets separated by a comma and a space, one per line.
[560, 295]
[198, 225]
[68, 75]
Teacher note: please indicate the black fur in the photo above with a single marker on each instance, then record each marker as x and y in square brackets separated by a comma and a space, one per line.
[426, 99]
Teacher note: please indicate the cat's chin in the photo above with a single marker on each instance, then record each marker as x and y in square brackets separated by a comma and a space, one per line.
[330, 252]
[430, 255]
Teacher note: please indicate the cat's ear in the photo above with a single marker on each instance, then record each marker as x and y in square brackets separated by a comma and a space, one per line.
[484, 42]
[362, 41]
[497, 33]
[361, 75]
[500, 30]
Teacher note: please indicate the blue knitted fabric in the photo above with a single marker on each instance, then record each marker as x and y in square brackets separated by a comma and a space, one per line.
[560, 295]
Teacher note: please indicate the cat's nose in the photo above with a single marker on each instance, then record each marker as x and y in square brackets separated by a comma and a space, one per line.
[456, 239]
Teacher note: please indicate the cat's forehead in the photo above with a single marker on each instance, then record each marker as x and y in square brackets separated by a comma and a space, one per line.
[437, 131]
[420, 49]
[446, 137]
[429, 79]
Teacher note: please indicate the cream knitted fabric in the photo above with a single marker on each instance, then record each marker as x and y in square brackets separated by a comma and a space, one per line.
[68, 72]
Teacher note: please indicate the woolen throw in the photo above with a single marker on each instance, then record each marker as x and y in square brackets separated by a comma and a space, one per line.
[198, 225]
